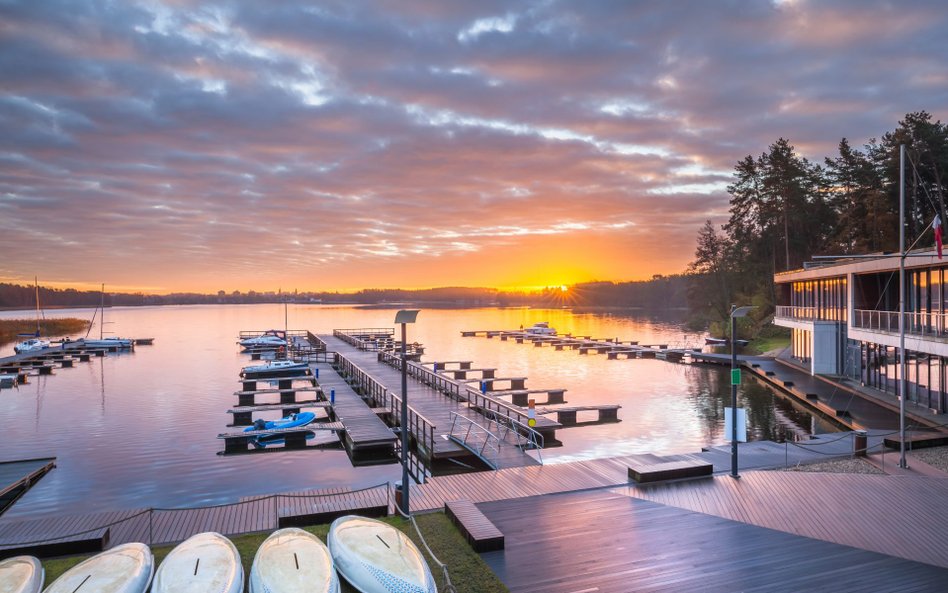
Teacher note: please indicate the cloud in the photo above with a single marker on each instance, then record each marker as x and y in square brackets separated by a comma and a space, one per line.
[219, 144]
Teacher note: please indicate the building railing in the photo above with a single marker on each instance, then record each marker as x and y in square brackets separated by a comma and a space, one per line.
[924, 323]
[809, 313]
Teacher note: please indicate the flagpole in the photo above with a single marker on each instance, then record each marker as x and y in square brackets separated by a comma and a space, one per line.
[903, 392]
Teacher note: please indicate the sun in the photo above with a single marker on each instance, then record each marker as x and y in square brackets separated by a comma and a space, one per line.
[563, 288]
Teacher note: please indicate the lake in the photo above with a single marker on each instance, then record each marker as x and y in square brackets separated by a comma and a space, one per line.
[139, 429]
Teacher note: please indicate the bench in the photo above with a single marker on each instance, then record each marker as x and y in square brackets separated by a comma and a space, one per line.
[669, 470]
[299, 511]
[476, 528]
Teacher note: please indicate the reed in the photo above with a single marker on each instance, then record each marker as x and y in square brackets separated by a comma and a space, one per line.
[49, 328]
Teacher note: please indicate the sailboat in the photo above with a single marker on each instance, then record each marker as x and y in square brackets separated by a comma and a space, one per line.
[35, 343]
[104, 342]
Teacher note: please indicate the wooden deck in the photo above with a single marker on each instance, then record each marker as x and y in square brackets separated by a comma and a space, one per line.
[601, 542]
[16, 477]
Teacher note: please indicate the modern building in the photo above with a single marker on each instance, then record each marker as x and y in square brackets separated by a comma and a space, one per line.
[844, 317]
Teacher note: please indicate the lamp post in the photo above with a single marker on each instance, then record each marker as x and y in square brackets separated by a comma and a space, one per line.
[735, 380]
[404, 317]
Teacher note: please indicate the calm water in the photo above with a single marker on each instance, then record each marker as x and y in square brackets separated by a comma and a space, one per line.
[139, 429]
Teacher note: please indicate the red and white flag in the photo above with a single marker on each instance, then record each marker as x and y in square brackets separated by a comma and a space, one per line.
[937, 226]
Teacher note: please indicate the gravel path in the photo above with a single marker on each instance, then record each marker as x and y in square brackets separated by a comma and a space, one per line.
[839, 466]
[934, 456]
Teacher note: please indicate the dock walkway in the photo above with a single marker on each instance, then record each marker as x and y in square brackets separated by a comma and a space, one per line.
[425, 400]
[16, 477]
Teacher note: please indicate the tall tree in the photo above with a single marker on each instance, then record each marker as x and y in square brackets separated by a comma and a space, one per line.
[867, 220]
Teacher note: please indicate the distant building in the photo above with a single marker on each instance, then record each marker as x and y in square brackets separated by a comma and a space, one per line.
[844, 318]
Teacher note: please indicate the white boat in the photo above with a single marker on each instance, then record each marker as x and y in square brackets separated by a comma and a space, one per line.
[202, 563]
[123, 569]
[35, 343]
[293, 561]
[21, 574]
[9, 380]
[265, 341]
[124, 343]
[276, 368]
[31, 345]
[540, 329]
[378, 558]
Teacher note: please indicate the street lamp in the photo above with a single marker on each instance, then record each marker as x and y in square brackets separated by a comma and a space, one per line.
[404, 317]
[735, 381]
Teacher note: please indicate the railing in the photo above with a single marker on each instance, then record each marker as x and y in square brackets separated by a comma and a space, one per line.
[926, 324]
[375, 340]
[490, 407]
[419, 428]
[256, 333]
[487, 440]
[427, 376]
[793, 312]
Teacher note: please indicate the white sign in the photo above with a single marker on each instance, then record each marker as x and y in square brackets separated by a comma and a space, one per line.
[741, 424]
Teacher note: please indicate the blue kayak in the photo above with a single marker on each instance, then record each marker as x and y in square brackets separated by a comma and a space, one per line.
[291, 421]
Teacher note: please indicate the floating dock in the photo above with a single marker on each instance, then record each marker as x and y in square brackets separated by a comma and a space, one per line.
[16, 477]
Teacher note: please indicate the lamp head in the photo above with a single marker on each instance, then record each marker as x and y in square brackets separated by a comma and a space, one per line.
[741, 311]
[406, 316]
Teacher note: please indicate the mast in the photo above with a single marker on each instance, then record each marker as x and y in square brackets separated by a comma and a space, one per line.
[903, 392]
[36, 285]
[102, 316]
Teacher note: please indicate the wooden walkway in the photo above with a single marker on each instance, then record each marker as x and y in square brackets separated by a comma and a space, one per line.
[16, 477]
[602, 542]
[427, 401]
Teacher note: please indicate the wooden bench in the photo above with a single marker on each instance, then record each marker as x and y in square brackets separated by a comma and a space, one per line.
[476, 528]
[311, 510]
[669, 470]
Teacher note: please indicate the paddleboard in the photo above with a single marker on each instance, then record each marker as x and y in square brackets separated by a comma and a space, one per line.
[377, 558]
[293, 561]
[21, 574]
[204, 562]
[123, 569]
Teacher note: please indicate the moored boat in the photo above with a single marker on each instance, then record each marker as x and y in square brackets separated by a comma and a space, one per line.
[31, 345]
[292, 421]
[378, 558]
[127, 568]
[541, 328]
[204, 562]
[293, 561]
[21, 574]
[275, 368]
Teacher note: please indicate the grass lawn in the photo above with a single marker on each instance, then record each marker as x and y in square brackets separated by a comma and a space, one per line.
[469, 574]
[761, 345]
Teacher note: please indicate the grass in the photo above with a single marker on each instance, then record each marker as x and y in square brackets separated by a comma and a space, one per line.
[762, 345]
[49, 328]
[468, 572]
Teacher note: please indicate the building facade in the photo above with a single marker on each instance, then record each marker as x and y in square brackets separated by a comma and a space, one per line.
[844, 320]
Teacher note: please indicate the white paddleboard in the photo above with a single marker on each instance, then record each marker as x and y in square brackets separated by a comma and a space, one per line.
[293, 561]
[377, 558]
[122, 569]
[202, 563]
[21, 574]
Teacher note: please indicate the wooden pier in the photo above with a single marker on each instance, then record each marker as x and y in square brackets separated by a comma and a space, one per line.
[614, 348]
[16, 477]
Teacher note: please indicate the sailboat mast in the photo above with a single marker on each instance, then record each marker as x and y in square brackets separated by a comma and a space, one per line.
[36, 285]
[102, 316]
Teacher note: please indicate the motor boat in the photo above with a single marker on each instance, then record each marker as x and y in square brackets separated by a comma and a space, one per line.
[122, 343]
[292, 421]
[540, 329]
[266, 341]
[724, 342]
[275, 368]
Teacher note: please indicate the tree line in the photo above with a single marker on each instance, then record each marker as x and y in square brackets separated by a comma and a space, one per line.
[785, 209]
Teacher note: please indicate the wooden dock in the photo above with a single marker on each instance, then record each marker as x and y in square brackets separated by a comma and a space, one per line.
[614, 348]
[16, 477]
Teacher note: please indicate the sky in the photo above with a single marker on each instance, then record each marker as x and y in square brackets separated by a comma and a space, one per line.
[178, 145]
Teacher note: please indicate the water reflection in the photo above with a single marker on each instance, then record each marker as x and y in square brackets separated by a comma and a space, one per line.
[139, 429]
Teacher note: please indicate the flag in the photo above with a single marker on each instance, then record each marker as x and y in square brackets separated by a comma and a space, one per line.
[937, 226]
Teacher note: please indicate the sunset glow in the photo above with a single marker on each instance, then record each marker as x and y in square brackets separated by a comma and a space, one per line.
[203, 146]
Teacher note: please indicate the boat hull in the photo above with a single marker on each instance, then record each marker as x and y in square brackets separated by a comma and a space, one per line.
[21, 574]
[204, 562]
[293, 561]
[123, 569]
[378, 558]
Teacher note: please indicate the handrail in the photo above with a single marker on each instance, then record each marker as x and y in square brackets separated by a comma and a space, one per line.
[419, 427]
[490, 407]
[920, 323]
[497, 431]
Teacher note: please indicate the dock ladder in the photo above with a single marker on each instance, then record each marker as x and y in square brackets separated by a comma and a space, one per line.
[494, 436]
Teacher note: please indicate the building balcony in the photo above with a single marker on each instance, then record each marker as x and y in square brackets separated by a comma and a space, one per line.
[916, 324]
